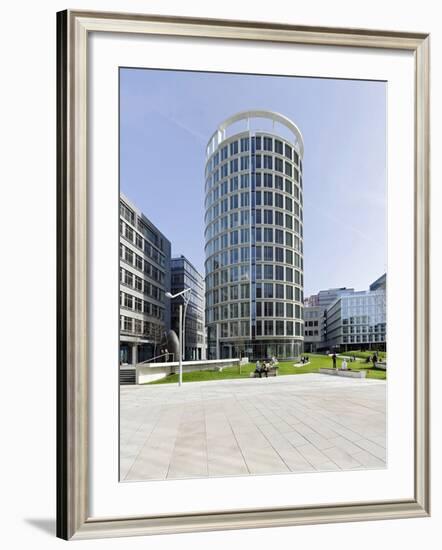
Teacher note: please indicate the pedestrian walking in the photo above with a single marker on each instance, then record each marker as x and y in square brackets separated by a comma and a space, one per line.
[334, 360]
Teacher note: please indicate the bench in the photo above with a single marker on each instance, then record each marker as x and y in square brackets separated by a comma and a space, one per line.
[272, 371]
[346, 373]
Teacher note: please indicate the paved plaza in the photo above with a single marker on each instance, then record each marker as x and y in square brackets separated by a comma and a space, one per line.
[301, 423]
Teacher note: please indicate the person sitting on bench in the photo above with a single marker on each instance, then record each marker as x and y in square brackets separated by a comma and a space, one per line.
[266, 369]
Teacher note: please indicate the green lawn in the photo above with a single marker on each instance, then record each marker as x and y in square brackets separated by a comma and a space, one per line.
[285, 369]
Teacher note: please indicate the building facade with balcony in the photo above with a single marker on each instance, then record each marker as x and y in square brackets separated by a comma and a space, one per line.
[185, 275]
[145, 255]
[254, 237]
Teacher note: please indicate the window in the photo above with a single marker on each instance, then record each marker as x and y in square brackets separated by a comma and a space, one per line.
[268, 180]
[268, 235]
[268, 253]
[245, 254]
[288, 186]
[234, 219]
[268, 309]
[288, 151]
[127, 213]
[289, 310]
[234, 256]
[258, 198]
[288, 292]
[288, 239]
[268, 272]
[279, 291]
[233, 311]
[268, 290]
[279, 254]
[244, 144]
[279, 219]
[279, 182]
[279, 328]
[245, 235]
[279, 273]
[244, 199]
[289, 274]
[288, 221]
[279, 309]
[267, 144]
[244, 163]
[288, 169]
[279, 200]
[128, 301]
[234, 148]
[268, 328]
[268, 217]
[224, 153]
[234, 201]
[289, 328]
[245, 309]
[233, 167]
[127, 324]
[258, 161]
[268, 198]
[234, 237]
[244, 217]
[234, 184]
[268, 162]
[279, 235]
[138, 283]
[224, 169]
[244, 181]
[288, 257]
[278, 164]
[288, 204]
[258, 142]
[245, 292]
[129, 256]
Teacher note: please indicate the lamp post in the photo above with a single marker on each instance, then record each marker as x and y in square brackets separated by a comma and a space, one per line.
[181, 329]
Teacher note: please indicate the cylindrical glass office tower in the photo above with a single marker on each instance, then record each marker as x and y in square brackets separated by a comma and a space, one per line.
[253, 236]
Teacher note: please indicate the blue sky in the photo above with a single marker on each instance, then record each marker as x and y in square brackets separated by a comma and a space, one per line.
[167, 117]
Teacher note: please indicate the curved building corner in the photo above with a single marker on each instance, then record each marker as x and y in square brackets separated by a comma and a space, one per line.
[254, 237]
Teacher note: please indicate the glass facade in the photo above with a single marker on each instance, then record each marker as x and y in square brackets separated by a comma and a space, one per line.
[358, 321]
[184, 275]
[254, 245]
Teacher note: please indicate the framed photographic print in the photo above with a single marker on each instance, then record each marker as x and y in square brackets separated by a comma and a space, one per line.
[243, 283]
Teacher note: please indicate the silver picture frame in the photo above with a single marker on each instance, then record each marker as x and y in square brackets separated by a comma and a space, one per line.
[73, 517]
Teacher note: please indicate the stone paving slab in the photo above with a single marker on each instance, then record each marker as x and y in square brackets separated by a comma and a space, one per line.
[300, 423]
